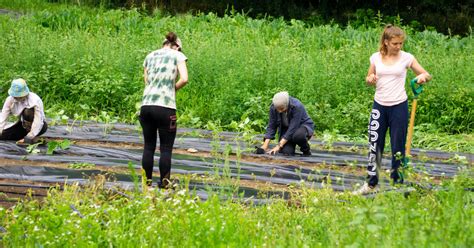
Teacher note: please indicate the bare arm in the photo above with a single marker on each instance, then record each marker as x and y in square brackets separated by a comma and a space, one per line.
[265, 144]
[421, 74]
[145, 75]
[371, 78]
[183, 75]
[278, 147]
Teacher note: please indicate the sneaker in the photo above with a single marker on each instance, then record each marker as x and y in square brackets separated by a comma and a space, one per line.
[365, 189]
[168, 184]
[307, 153]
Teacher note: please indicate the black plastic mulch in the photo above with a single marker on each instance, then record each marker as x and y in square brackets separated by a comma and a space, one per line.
[338, 170]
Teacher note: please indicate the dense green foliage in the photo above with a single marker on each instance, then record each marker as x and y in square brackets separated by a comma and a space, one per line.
[446, 16]
[88, 62]
[93, 217]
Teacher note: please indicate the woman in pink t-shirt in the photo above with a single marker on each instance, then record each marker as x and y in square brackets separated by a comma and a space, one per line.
[387, 72]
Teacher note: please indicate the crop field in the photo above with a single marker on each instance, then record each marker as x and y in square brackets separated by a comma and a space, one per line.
[83, 186]
[88, 193]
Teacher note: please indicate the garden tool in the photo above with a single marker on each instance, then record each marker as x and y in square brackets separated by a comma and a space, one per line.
[416, 92]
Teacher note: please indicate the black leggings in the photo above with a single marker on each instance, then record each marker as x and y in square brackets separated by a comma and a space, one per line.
[153, 118]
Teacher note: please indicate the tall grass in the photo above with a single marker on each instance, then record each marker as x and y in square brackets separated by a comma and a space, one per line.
[95, 217]
[86, 61]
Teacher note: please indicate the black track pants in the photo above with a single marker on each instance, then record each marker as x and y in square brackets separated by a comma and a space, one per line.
[381, 119]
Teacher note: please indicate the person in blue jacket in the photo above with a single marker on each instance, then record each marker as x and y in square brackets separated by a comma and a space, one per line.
[288, 116]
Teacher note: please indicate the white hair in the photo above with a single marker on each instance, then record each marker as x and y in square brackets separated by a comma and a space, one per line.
[281, 99]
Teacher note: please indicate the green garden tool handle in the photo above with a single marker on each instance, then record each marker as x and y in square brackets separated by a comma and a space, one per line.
[416, 90]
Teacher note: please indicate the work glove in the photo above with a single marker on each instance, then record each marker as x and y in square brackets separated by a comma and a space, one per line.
[28, 140]
[259, 150]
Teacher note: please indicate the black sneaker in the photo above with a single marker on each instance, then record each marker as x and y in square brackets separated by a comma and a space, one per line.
[307, 153]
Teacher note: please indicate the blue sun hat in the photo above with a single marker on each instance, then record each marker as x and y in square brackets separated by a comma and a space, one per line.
[18, 88]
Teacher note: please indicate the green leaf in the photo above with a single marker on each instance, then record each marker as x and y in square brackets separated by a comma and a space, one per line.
[65, 144]
[52, 145]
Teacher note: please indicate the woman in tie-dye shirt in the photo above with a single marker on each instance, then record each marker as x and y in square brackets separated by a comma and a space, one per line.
[158, 110]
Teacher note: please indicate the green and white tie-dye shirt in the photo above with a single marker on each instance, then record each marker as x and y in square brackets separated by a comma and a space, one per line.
[162, 68]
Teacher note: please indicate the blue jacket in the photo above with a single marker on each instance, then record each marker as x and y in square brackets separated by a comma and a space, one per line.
[297, 117]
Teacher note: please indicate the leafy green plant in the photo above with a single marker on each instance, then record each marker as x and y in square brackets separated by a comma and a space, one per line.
[33, 148]
[135, 178]
[57, 117]
[107, 121]
[86, 63]
[55, 145]
[315, 218]
[83, 165]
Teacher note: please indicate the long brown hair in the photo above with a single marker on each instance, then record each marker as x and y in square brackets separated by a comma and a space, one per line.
[389, 32]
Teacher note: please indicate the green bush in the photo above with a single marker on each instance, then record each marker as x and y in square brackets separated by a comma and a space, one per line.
[93, 58]
[93, 216]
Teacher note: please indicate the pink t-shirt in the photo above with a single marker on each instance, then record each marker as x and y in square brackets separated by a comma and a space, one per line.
[390, 86]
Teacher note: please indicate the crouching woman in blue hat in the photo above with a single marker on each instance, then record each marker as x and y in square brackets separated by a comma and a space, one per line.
[29, 108]
[295, 127]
